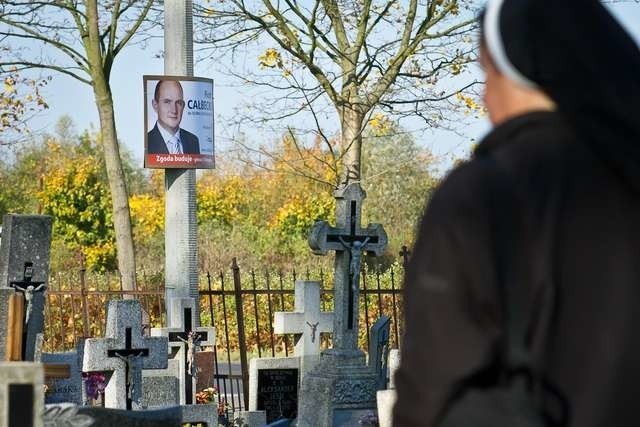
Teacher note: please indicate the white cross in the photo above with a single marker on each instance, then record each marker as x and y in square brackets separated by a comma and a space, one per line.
[306, 322]
[185, 352]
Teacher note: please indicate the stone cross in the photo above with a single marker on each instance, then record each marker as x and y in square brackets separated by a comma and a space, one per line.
[306, 322]
[186, 339]
[125, 352]
[349, 241]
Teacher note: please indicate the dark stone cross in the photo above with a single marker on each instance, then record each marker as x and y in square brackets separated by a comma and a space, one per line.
[183, 337]
[349, 241]
[34, 306]
[126, 354]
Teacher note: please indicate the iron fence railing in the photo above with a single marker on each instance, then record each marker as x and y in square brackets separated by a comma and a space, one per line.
[239, 304]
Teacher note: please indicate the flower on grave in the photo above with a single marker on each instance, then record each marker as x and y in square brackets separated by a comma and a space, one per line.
[370, 419]
[208, 395]
[95, 383]
[223, 407]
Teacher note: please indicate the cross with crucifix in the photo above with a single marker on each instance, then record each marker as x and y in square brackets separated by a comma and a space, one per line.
[125, 352]
[184, 340]
[128, 355]
[349, 241]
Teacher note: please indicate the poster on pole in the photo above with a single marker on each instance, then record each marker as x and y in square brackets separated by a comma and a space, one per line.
[178, 122]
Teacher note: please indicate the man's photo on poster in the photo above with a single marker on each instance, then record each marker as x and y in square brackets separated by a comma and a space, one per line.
[179, 121]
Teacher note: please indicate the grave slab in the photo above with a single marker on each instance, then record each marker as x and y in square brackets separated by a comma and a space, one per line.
[124, 353]
[21, 394]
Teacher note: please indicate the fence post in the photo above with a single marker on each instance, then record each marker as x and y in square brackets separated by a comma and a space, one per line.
[83, 299]
[241, 335]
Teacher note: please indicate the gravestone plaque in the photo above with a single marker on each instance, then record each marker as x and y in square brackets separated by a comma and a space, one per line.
[205, 366]
[278, 393]
[61, 390]
[26, 241]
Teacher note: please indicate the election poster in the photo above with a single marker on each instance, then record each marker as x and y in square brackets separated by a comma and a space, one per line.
[178, 115]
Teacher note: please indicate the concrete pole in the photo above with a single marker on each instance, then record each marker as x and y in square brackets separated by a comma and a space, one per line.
[181, 227]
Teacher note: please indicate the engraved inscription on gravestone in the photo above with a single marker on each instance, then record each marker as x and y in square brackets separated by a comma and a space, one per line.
[278, 393]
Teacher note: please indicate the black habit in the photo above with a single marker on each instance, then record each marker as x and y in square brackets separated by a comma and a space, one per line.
[569, 206]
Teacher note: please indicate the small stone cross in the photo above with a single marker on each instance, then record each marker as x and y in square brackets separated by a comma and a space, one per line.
[306, 322]
[125, 352]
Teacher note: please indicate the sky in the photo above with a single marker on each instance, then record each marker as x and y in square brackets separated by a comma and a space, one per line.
[67, 96]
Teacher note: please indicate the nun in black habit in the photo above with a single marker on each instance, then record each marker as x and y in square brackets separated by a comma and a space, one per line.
[560, 177]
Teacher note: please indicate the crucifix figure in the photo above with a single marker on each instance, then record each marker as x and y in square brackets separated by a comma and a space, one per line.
[184, 342]
[313, 327]
[192, 341]
[355, 249]
[349, 240]
[128, 355]
[28, 297]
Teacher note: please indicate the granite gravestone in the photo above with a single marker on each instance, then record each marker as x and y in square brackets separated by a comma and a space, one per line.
[273, 386]
[306, 322]
[379, 350]
[184, 341]
[21, 394]
[341, 386]
[24, 253]
[124, 353]
[159, 391]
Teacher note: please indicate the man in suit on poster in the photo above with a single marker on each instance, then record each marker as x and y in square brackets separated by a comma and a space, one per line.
[167, 137]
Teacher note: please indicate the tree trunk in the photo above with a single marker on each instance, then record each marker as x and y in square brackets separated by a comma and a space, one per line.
[117, 185]
[100, 69]
[351, 125]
